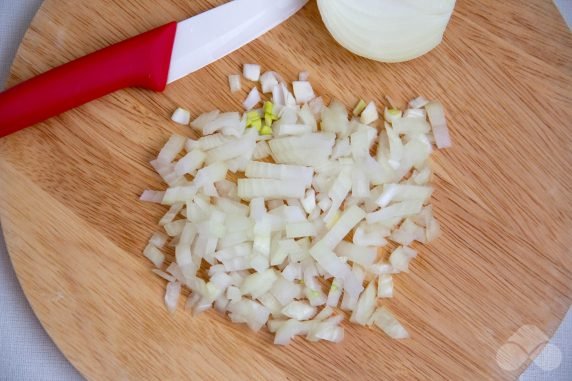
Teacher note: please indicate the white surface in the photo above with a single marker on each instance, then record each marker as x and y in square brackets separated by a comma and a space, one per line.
[211, 35]
[26, 351]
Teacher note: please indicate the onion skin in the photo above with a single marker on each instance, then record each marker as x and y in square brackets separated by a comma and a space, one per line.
[380, 37]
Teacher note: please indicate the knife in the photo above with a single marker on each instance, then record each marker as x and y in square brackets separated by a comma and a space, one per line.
[150, 60]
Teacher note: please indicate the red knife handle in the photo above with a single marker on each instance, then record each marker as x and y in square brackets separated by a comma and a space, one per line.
[141, 61]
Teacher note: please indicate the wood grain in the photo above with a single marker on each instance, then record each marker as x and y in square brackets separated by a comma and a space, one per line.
[75, 230]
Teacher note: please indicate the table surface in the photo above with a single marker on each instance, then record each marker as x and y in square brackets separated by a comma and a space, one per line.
[28, 353]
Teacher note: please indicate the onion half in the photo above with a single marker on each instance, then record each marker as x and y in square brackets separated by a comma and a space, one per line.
[387, 30]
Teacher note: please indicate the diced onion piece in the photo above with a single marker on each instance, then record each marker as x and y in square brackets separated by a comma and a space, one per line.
[172, 294]
[152, 196]
[399, 192]
[359, 107]
[293, 129]
[407, 233]
[154, 255]
[234, 83]
[399, 209]
[436, 114]
[415, 113]
[335, 293]
[392, 114]
[369, 114]
[261, 151]
[204, 119]
[418, 102]
[158, 240]
[348, 220]
[164, 275]
[389, 324]
[190, 162]
[252, 99]
[222, 121]
[303, 91]
[250, 312]
[401, 257]
[176, 195]
[365, 305]
[335, 119]
[174, 145]
[258, 284]
[395, 147]
[303, 76]
[300, 229]
[279, 171]
[251, 72]
[309, 201]
[368, 237]
[181, 116]
[299, 311]
[268, 81]
[289, 330]
[364, 256]
[385, 286]
[423, 176]
[410, 126]
[270, 189]
[285, 291]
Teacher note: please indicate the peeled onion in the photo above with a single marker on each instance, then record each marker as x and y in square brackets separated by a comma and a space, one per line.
[387, 30]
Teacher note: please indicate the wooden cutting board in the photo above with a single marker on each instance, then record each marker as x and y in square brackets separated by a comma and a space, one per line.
[75, 228]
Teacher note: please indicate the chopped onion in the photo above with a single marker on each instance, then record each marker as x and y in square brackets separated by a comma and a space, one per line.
[190, 162]
[369, 114]
[234, 83]
[268, 81]
[391, 114]
[272, 256]
[385, 286]
[152, 196]
[364, 256]
[280, 171]
[303, 91]
[204, 119]
[365, 305]
[154, 255]
[299, 311]
[399, 209]
[270, 188]
[158, 240]
[172, 295]
[251, 72]
[401, 257]
[222, 121]
[398, 192]
[418, 102]
[258, 284]
[181, 116]
[174, 145]
[300, 229]
[436, 115]
[252, 99]
[289, 330]
[389, 324]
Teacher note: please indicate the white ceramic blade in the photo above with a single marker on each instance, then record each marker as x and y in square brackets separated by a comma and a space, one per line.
[211, 35]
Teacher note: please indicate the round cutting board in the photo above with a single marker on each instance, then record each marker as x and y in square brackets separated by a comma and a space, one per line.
[75, 229]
